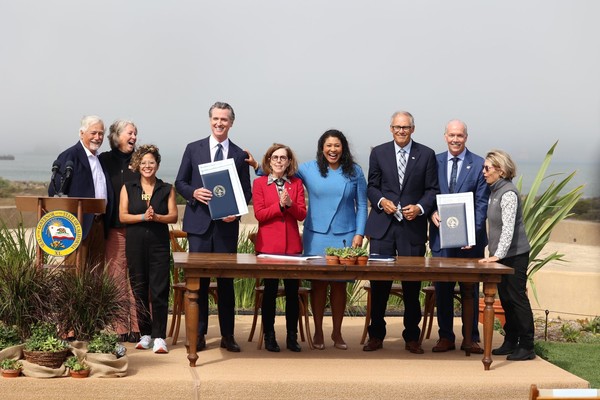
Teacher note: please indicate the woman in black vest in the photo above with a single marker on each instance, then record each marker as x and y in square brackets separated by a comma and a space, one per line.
[508, 245]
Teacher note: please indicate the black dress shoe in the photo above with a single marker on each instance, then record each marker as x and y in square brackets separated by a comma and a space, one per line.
[506, 348]
[229, 343]
[521, 354]
[200, 343]
[134, 337]
[373, 344]
[271, 342]
[292, 342]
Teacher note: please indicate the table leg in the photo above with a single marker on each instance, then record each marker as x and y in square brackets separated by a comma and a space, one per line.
[489, 290]
[467, 315]
[191, 318]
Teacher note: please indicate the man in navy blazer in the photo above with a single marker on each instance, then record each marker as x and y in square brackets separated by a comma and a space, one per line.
[402, 194]
[81, 174]
[204, 234]
[469, 178]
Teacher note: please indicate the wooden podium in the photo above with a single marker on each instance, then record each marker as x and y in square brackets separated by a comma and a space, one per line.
[75, 205]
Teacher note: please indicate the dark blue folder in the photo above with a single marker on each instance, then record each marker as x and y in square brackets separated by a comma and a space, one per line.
[223, 203]
[453, 225]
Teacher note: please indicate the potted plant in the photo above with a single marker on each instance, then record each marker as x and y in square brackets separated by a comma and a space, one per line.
[106, 353]
[331, 255]
[11, 368]
[362, 255]
[44, 347]
[77, 368]
[347, 256]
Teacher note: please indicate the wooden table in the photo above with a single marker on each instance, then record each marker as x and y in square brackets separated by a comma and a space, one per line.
[199, 265]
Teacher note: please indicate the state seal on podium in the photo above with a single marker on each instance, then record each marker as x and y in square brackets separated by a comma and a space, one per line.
[58, 233]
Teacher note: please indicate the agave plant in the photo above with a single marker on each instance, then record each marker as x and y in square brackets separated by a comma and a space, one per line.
[541, 214]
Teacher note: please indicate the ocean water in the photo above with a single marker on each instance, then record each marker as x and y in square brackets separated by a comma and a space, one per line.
[30, 167]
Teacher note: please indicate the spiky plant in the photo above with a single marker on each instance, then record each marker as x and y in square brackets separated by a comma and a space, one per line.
[541, 214]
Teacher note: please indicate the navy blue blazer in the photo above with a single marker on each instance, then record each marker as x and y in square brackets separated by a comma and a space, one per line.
[81, 183]
[196, 219]
[419, 187]
[470, 179]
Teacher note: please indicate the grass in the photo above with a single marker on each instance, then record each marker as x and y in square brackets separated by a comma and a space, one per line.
[580, 359]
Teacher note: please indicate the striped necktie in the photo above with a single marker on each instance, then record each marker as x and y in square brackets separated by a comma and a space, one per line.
[401, 166]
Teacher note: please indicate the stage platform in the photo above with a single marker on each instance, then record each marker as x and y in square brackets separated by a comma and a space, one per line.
[312, 374]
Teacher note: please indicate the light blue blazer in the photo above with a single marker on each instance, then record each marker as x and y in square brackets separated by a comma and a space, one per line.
[334, 201]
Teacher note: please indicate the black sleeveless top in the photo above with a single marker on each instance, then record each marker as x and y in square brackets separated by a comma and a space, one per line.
[159, 202]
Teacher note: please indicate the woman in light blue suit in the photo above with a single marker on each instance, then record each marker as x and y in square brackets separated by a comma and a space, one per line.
[337, 214]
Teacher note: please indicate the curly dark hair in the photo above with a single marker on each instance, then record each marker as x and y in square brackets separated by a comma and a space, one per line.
[137, 156]
[346, 160]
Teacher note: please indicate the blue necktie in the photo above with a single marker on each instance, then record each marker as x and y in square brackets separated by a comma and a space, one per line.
[453, 174]
[219, 153]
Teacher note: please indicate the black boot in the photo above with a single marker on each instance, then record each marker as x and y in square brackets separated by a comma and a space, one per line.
[271, 343]
[292, 342]
[506, 348]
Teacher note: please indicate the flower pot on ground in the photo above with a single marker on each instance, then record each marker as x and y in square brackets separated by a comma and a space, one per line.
[44, 347]
[11, 368]
[77, 368]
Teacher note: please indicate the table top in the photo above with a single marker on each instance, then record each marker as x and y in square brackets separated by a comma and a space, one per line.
[407, 268]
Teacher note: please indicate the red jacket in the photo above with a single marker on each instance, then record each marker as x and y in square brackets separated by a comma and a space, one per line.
[278, 230]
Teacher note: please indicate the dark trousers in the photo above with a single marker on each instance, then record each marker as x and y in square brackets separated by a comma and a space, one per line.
[291, 304]
[148, 261]
[396, 242]
[519, 325]
[211, 242]
[444, 297]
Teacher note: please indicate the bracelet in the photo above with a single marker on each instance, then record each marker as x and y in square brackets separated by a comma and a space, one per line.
[143, 217]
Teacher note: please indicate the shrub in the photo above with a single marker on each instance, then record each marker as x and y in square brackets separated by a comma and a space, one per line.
[9, 336]
[44, 337]
[104, 342]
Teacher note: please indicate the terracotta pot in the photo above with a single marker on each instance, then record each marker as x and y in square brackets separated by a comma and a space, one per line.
[498, 311]
[331, 260]
[84, 373]
[347, 260]
[11, 373]
[362, 260]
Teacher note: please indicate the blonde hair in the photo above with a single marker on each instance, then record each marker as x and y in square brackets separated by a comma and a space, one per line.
[502, 162]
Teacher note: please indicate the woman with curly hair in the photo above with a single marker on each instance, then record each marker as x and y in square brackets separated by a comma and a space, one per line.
[147, 206]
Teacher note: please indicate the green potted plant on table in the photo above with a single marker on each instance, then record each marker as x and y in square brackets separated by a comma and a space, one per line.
[44, 347]
[77, 368]
[362, 255]
[347, 256]
[331, 255]
[11, 368]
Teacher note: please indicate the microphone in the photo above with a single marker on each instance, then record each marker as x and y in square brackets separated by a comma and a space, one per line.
[55, 169]
[68, 170]
[67, 177]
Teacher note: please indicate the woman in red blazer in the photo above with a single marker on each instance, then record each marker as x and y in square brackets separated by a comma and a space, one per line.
[279, 204]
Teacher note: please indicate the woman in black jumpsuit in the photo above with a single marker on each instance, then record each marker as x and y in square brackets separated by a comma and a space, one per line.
[147, 206]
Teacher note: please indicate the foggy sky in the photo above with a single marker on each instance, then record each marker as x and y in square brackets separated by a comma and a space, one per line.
[521, 74]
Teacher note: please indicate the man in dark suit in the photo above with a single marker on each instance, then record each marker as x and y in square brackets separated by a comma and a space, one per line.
[402, 185]
[82, 175]
[204, 234]
[468, 177]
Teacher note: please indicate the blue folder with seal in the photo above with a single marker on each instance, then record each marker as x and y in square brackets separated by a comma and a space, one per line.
[221, 178]
[453, 225]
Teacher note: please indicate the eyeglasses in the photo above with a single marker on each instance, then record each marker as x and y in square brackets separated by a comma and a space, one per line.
[487, 168]
[279, 158]
[398, 128]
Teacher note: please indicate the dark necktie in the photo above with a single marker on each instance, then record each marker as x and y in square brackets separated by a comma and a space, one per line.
[219, 153]
[453, 174]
